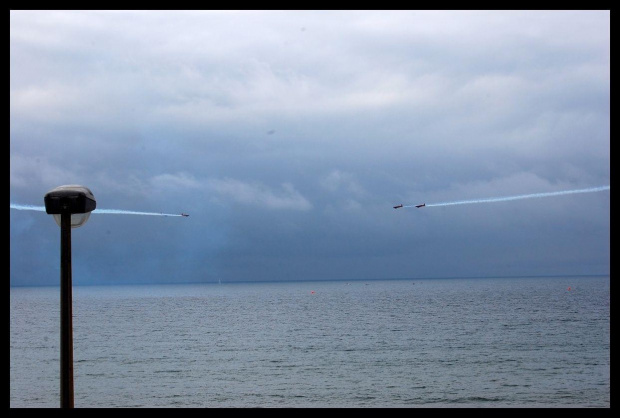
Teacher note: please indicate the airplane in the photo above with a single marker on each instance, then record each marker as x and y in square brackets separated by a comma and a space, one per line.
[184, 214]
[398, 206]
[420, 206]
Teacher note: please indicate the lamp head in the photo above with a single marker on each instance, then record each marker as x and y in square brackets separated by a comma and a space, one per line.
[70, 199]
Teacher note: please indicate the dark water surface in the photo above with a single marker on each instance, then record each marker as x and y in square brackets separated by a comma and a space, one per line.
[510, 342]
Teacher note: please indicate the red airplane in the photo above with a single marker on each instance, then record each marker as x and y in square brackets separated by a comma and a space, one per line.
[184, 214]
[420, 206]
[398, 206]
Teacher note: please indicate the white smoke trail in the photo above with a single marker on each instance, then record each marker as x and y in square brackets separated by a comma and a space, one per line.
[523, 196]
[108, 211]
[129, 212]
[27, 207]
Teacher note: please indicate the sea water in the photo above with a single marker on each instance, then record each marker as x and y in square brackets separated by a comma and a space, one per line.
[484, 342]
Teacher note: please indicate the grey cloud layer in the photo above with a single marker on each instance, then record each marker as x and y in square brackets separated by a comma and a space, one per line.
[289, 134]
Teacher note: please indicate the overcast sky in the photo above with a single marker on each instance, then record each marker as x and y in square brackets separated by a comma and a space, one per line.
[287, 136]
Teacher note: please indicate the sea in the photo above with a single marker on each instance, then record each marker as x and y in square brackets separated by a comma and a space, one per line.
[529, 342]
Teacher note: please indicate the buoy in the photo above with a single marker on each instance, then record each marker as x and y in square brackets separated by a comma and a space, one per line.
[312, 292]
[568, 288]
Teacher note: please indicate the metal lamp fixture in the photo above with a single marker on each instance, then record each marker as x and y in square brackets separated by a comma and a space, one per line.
[77, 200]
[71, 206]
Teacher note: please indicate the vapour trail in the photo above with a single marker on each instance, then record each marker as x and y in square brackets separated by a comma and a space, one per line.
[108, 211]
[129, 212]
[523, 196]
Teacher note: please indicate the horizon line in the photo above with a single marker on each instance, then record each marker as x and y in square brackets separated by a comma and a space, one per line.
[215, 281]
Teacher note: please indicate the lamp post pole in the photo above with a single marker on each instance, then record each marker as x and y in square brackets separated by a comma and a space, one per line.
[66, 313]
[71, 206]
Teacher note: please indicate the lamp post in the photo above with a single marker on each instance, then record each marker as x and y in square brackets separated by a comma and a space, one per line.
[71, 206]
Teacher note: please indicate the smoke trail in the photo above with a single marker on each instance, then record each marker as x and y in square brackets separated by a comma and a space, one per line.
[129, 212]
[108, 211]
[27, 207]
[523, 196]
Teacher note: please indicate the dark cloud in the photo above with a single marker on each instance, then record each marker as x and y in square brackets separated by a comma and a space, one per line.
[288, 147]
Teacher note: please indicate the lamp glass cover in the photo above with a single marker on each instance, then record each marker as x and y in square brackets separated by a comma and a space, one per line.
[77, 219]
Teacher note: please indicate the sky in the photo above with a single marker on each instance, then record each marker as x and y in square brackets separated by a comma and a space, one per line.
[288, 137]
